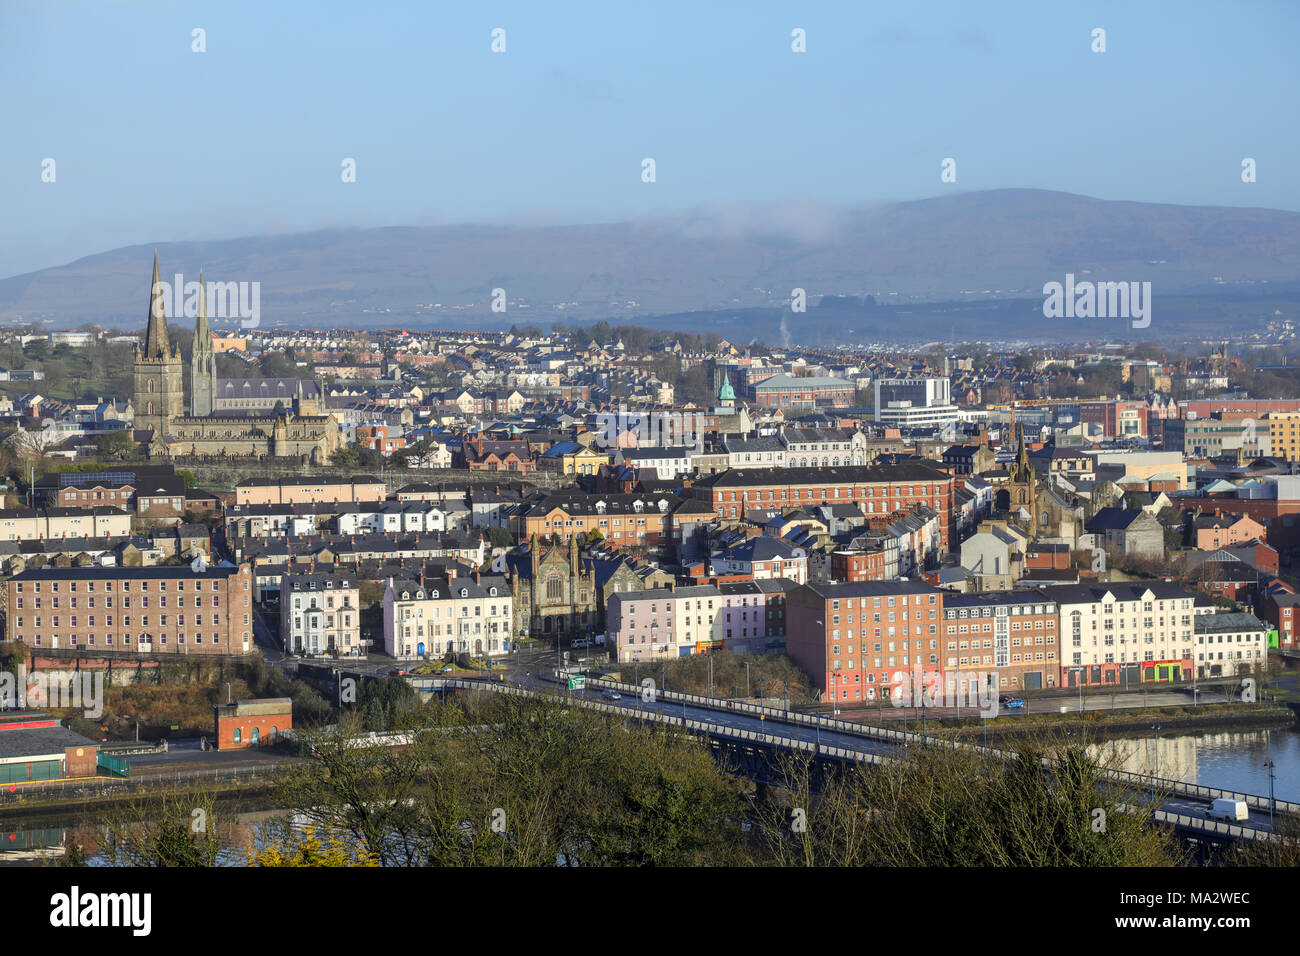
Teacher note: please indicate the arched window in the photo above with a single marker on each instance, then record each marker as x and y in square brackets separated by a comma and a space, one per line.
[256, 737]
[554, 589]
[151, 385]
[238, 736]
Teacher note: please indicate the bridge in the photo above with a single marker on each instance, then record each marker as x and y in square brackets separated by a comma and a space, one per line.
[751, 735]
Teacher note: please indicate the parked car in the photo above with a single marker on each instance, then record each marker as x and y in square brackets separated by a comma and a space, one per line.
[581, 642]
[397, 672]
[1012, 703]
[1233, 811]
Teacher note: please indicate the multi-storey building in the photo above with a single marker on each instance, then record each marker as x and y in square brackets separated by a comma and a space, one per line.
[853, 639]
[435, 616]
[278, 491]
[320, 615]
[1118, 419]
[158, 611]
[1229, 643]
[923, 402]
[787, 390]
[664, 622]
[763, 558]
[824, 447]
[621, 519]
[876, 489]
[753, 614]
[1003, 639]
[26, 524]
[1123, 633]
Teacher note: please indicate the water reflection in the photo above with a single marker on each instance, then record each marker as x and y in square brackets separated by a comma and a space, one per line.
[1231, 761]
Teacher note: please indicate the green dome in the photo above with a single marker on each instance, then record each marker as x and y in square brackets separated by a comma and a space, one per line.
[726, 393]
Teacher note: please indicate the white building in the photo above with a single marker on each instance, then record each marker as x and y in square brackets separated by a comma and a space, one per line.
[1229, 643]
[427, 618]
[915, 402]
[320, 615]
[1140, 622]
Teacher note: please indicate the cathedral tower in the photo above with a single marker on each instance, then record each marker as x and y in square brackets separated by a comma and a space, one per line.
[159, 389]
[203, 363]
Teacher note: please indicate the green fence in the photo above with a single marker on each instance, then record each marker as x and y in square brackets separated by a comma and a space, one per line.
[114, 766]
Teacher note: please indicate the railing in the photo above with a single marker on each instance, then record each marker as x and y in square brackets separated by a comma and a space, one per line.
[89, 786]
[116, 766]
[1144, 781]
[860, 756]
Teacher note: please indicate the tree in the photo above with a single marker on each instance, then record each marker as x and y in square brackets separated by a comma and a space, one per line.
[116, 446]
[345, 457]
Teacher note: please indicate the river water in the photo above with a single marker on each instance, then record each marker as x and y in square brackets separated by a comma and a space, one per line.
[1233, 760]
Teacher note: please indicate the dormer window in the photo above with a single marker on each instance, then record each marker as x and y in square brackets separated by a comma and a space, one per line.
[464, 592]
[406, 595]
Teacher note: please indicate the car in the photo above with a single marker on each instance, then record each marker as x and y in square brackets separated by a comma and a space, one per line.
[581, 642]
[612, 695]
[397, 672]
[1013, 703]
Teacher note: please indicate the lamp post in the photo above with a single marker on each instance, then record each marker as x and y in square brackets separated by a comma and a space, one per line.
[1272, 803]
[747, 680]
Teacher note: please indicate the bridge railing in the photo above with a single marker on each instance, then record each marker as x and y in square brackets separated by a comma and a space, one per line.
[905, 738]
[1143, 781]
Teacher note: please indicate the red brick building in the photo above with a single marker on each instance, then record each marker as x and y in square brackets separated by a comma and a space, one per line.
[852, 638]
[853, 566]
[252, 723]
[156, 611]
[878, 489]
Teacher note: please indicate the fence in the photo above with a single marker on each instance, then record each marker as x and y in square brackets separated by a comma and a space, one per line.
[114, 766]
[92, 786]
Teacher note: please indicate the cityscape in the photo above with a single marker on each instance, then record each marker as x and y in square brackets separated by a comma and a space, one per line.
[939, 513]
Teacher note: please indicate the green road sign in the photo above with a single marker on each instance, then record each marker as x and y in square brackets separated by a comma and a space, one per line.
[577, 682]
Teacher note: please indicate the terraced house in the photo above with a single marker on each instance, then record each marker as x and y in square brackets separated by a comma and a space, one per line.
[622, 519]
[426, 618]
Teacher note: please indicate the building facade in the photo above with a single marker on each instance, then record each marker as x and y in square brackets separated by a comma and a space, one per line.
[320, 615]
[155, 611]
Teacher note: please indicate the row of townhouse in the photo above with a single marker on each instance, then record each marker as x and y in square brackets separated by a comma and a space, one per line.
[426, 618]
[799, 448]
[27, 524]
[320, 615]
[668, 622]
[353, 549]
[853, 639]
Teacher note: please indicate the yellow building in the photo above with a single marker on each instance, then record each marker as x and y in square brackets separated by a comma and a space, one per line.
[1284, 435]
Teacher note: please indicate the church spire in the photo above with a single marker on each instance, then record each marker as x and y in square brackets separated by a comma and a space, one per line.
[202, 334]
[156, 344]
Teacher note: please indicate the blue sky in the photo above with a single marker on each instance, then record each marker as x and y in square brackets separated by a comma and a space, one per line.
[153, 142]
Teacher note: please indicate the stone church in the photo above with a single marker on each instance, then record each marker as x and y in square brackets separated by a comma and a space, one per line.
[1019, 497]
[561, 593]
[303, 432]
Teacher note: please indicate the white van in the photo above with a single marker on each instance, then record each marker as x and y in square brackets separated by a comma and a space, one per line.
[1230, 810]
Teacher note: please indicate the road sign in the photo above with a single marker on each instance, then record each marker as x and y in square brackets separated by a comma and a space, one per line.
[577, 682]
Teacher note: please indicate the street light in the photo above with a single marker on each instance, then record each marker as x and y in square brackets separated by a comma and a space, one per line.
[1272, 804]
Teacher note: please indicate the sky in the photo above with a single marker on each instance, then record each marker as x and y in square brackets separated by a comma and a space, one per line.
[153, 142]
